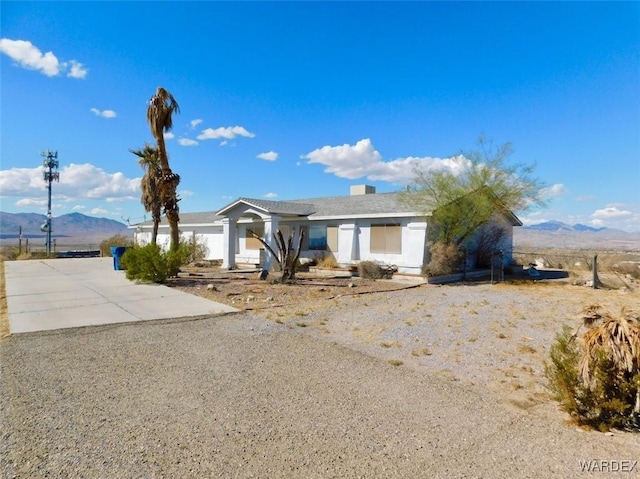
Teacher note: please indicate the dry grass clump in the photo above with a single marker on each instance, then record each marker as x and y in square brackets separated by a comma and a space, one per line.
[370, 270]
[420, 352]
[327, 261]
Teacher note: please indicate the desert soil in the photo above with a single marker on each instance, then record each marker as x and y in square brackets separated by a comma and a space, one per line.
[495, 336]
[331, 377]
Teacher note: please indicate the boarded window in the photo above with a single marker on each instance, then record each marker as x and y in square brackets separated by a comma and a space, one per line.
[386, 239]
[332, 238]
[253, 243]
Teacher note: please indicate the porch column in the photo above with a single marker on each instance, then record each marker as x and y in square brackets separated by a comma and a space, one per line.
[228, 243]
[270, 227]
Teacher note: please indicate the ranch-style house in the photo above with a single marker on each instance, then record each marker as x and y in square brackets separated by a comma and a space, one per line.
[362, 226]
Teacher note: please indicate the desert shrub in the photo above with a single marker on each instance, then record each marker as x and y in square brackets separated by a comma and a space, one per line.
[370, 270]
[596, 377]
[151, 264]
[446, 258]
[632, 269]
[115, 240]
[197, 249]
[9, 252]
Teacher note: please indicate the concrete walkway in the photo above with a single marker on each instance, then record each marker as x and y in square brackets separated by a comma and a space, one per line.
[67, 293]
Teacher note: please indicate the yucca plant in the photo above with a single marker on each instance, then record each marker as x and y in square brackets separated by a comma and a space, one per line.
[596, 375]
[287, 256]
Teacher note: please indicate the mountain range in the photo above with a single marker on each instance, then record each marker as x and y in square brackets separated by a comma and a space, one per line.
[560, 226]
[556, 234]
[551, 234]
[69, 225]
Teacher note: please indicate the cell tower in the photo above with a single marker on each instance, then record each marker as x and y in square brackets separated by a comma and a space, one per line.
[50, 164]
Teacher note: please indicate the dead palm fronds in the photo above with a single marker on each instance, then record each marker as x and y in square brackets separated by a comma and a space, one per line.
[618, 337]
[150, 184]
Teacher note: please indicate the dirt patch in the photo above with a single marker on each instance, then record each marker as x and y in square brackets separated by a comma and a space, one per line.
[246, 291]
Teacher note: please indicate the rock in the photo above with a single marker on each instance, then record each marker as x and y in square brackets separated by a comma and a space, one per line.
[269, 298]
[351, 285]
[211, 287]
[250, 298]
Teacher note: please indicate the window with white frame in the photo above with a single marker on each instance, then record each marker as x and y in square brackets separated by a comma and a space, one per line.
[323, 238]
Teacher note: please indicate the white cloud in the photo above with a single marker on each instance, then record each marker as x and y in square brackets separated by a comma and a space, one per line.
[77, 70]
[271, 195]
[363, 160]
[98, 211]
[555, 190]
[268, 156]
[78, 208]
[610, 212]
[104, 113]
[228, 133]
[28, 202]
[186, 193]
[168, 135]
[28, 56]
[187, 142]
[195, 122]
[77, 182]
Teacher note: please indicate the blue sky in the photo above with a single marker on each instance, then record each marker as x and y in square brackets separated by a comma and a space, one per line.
[300, 100]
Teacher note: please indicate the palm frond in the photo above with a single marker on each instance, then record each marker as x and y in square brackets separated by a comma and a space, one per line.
[618, 337]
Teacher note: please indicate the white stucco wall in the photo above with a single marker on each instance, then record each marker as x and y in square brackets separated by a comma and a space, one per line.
[354, 239]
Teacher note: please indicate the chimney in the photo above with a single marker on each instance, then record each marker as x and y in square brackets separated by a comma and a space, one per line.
[362, 190]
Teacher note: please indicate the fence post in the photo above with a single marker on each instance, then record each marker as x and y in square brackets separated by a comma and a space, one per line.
[464, 264]
[595, 279]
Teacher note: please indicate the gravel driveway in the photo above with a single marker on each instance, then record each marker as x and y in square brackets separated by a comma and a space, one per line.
[242, 396]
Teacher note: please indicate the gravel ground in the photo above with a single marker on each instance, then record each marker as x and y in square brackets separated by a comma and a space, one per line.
[313, 395]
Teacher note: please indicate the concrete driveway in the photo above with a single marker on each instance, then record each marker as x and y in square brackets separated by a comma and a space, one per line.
[67, 293]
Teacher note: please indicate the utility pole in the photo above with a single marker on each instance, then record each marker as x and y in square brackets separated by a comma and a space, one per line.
[50, 164]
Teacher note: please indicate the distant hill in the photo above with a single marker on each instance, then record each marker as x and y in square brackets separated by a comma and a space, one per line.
[555, 234]
[560, 226]
[69, 225]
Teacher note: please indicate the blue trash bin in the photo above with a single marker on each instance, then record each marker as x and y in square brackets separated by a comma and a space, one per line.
[117, 252]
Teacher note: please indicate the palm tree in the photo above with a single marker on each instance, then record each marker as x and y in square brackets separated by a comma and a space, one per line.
[150, 184]
[160, 111]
